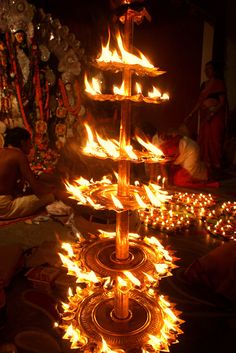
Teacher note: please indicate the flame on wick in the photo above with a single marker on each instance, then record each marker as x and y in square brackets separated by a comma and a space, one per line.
[93, 87]
[117, 202]
[150, 147]
[132, 278]
[155, 93]
[138, 88]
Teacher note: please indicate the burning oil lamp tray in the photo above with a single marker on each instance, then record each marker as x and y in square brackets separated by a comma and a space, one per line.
[139, 156]
[137, 69]
[138, 98]
[152, 323]
[103, 195]
[143, 259]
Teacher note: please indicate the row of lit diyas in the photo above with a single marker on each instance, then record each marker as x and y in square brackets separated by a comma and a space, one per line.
[136, 68]
[124, 282]
[196, 204]
[221, 221]
[166, 218]
[179, 211]
[182, 209]
[97, 146]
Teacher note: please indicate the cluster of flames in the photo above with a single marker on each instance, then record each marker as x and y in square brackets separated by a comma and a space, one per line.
[93, 88]
[169, 218]
[88, 283]
[100, 147]
[102, 194]
[222, 221]
[196, 204]
[185, 208]
[116, 61]
[179, 211]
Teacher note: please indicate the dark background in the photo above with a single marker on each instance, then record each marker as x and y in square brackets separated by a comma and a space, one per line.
[172, 41]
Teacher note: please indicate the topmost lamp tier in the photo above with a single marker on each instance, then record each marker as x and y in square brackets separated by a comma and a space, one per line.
[123, 60]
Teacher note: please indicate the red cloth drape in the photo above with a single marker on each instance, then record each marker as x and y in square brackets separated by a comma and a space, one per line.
[211, 134]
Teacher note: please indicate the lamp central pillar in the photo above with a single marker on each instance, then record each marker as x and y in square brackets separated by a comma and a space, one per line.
[122, 218]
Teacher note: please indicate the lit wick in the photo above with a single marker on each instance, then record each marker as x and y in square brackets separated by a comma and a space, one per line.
[163, 182]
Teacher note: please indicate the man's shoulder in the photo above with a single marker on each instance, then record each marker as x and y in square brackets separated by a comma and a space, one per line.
[12, 152]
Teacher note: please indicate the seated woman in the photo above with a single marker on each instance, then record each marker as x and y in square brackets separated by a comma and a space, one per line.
[187, 167]
[14, 166]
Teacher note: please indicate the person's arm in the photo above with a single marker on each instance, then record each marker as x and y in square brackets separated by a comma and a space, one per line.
[197, 105]
[193, 111]
[181, 156]
[38, 187]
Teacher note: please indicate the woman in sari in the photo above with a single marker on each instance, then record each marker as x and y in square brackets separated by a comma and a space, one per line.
[212, 107]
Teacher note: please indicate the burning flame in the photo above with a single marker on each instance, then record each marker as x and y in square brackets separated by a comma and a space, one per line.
[93, 87]
[129, 150]
[74, 269]
[138, 88]
[109, 147]
[106, 349]
[150, 147]
[161, 268]
[155, 93]
[121, 282]
[165, 96]
[68, 248]
[75, 337]
[141, 203]
[121, 90]
[154, 200]
[117, 202]
[126, 58]
[132, 278]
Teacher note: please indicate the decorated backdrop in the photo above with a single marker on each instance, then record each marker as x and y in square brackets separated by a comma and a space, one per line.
[40, 66]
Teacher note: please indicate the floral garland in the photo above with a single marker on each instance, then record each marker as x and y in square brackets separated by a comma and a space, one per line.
[17, 85]
[36, 81]
[4, 89]
[43, 109]
[46, 105]
[76, 108]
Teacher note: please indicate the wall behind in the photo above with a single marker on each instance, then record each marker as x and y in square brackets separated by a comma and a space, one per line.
[172, 41]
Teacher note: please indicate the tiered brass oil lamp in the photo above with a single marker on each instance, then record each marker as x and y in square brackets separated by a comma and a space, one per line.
[116, 304]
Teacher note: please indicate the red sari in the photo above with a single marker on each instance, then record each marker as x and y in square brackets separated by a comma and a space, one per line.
[212, 126]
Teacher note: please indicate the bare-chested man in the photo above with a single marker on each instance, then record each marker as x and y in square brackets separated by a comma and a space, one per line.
[14, 165]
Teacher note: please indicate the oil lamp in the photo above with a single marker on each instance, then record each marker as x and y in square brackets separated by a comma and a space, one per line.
[117, 305]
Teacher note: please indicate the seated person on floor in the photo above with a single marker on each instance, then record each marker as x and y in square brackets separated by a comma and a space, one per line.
[188, 169]
[14, 166]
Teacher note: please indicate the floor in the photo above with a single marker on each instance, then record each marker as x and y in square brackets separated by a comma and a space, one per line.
[210, 320]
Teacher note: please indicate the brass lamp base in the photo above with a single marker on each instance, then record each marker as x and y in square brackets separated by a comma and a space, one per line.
[96, 318]
[100, 258]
